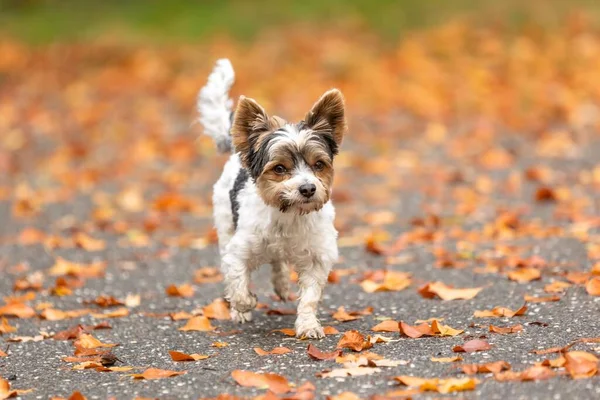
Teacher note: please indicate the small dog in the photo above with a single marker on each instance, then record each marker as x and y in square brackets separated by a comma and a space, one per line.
[272, 202]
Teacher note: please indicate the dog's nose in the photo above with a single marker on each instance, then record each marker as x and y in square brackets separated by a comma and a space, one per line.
[307, 190]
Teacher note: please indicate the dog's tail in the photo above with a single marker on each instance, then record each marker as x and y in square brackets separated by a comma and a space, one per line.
[215, 106]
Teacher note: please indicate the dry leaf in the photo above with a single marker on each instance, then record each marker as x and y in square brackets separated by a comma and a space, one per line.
[178, 356]
[208, 275]
[472, 346]
[345, 372]
[87, 341]
[444, 330]
[343, 316]
[275, 351]
[200, 323]
[580, 364]
[392, 281]
[185, 290]
[5, 327]
[500, 312]
[354, 340]
[445, 292]
[275, 383]
[118, 313]
[557, 287]
[415, 331]
[155, 373]
[541, 299]
[443, 386]
[446, 359]
[52, 314]
[317, 354]
[218, 309]
[506, 330]
[344, 396]
[523, 275]
[64, 267]
[593, 286]
[88, 243]
[386, 326]
[6, 392]
[18, 310]
[530, 374]
[492, 367]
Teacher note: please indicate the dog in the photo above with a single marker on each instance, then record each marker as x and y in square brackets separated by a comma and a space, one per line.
[272, 203]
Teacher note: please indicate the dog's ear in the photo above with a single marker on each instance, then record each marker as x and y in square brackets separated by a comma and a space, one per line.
[249, 122]
[328, 115]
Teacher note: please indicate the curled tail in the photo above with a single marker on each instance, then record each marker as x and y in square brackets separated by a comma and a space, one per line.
[215, 106]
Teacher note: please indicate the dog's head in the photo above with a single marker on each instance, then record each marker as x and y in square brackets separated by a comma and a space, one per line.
[291, 164]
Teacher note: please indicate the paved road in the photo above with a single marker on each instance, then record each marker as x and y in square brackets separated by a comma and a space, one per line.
[377, 191]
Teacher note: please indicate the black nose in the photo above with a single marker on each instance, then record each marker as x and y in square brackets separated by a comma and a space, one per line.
[308, 189]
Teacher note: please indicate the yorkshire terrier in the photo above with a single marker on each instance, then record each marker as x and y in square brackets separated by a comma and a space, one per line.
[272, 203]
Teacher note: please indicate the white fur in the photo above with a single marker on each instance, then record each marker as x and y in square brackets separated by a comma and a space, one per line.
[215, 106]
[265, 235]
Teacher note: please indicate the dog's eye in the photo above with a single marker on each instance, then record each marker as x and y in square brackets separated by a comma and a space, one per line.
[319, 165]
[280, 169]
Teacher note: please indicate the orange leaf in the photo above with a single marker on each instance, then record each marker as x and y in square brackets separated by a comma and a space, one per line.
[593, 286]
[541, 299]
[5, 327]
[493, 367]
[446, 359]
[445, 292]
[354, 340]
[523, 275]
[275, 351]
[275, 383]
[444, 330]
[415, 331]
[18, 310]
[87, 341]
[218, 309]
[504, 331]
[472, 346]
[580, 364]
[185, 290]
[208, 275]
[557, 287]
[330, 330]
[500, 312]
[317, 354]
[200, 323]
[155, 373]
[64, 267]
[343, 316]
[386, 326]
[286, 331]
[438, 385]
[178, 356]
[88, 243]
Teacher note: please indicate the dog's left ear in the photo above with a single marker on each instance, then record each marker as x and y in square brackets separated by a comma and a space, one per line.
[328, 115]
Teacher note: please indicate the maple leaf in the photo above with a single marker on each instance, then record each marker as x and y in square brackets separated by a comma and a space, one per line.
[199, 323]
[275, 383]
[343, 316]
[391, 281]
[317, 354]
[445, 292]
[275, 351]
[179, 356]
[444, 330]
[415, 331]
[155, 373]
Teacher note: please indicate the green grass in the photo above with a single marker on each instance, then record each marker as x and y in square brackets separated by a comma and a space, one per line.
[42, 21]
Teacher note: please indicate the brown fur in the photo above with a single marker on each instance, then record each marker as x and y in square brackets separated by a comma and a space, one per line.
[328, 114]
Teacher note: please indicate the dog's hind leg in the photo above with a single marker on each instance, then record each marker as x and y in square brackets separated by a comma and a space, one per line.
[281, 279]
[237, 288]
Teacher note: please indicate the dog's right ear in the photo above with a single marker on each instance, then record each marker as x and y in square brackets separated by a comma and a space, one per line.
[249, 122]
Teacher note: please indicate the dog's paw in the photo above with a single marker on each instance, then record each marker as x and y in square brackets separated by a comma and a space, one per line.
[311, 329]
[243, 303]
[240, 317]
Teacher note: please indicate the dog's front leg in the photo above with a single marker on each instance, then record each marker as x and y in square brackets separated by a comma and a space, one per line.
[237, 288]
[311, 279]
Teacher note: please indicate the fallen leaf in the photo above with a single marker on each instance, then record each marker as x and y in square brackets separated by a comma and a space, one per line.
[52, 314]
[541, 299]
[6, 392]
[118, 313]
[219, 345]
[179, 356]
[132, 300]
[415, 331]
[88, 243]
[87, 341]
[5, 327]
[557, 287]
[593, 286]
[343, 316]
[155, 373]
[345, 372]
[500, 312]
[200, 323]
[443, 386]
[105, 301]
[64, 267]
[185, 290]
[75, 331]
[387, 326]
[444, 330]
[445, 292]
[472, 346]
[393, 281]
[317, 354]
[354, 340]
[329, 330]
[218, 309]
[344, 396]
[492, 367]
[446, 359]
[18, 310]
[506, 330]
[580, 364]
[545, 194]
[523, 275]
[354, 357]
[286, 331]
[275, 383]
[208, 275]
[275, 351]
[530, 374]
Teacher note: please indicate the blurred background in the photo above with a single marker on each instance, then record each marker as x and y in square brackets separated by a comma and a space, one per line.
[97, 98]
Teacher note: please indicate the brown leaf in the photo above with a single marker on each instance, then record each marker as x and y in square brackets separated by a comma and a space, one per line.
[387, 326]
[155, 373]
[105, 301]
[530, 374]
[557, 287]
[506, 330]
[354, 340]
[500, 312]
[580, 364]
[541, 299]
[443, 386]
[392, 281]
[593, 286]
[492, 367]
[179, 356]
[446, 292]
[88, 243]
[275, 383]
[64, 267]
[207, 275]
[317, 354]
[472, 346]
[185, 290]
[5, 327]
[118, 313]
[343, 316]
[446, 359]
[345, 372]
[218, 309]
[415, 331]
[200, 323]
[444, 330]
[523, 275]
[75, 331]
[344, 396]
[6, 392]
[545, 194]
[52, 314]
[87, 341]
[18, 310]
[275, 351]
